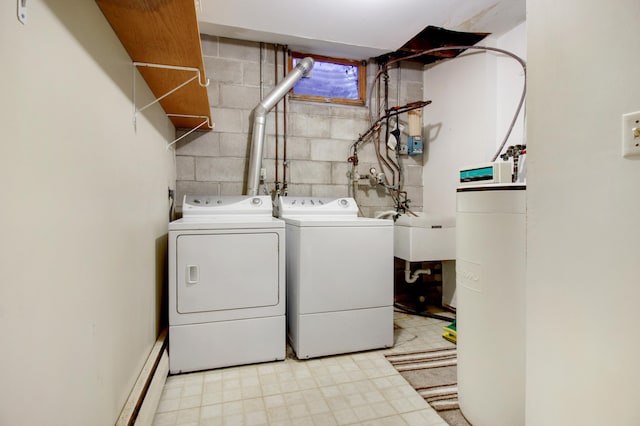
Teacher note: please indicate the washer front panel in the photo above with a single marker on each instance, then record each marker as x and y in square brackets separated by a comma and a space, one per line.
[339, 268]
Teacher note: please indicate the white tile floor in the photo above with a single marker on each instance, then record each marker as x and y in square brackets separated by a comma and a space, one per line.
[352, 389]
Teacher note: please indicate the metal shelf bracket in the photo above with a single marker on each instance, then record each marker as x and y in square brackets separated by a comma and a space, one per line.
[205, 120]
[198, 75]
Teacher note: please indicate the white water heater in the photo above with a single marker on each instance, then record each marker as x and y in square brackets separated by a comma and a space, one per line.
[490, 278]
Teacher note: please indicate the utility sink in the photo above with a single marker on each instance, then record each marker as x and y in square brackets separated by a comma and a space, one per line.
[425, 237]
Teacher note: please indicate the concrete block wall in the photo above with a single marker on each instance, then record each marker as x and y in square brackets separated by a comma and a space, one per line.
[318, 135]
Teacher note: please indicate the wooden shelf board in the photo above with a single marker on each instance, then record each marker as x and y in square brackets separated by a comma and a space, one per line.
[163, 32]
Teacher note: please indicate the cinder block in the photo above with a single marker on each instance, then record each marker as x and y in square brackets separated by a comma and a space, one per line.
[411, 71]
[298, 190]
[209, 45]
[185, 167]
[223, 70]
[242, 97]
[220, 169]
[329, 149]
[189, 187]
[239, 49]
[309, 126]
[233, 188]
[269, 73]
[213, 93]
[378, 197]
[347, 128]
[234, 145]
[411, 92]
[356, 113]
[340, 173]
[298, 148]
[332, 191]
[228, 120]
[367, 153]
[270, 147]
[198, 144]
[309, 108]
[251, 75]
[268, 54]
[309, 172]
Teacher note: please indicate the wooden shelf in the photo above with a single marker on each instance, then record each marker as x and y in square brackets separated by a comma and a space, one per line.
[164, 33]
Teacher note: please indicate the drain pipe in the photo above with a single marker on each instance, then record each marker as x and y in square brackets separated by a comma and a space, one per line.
[260, 119]
[410, 279]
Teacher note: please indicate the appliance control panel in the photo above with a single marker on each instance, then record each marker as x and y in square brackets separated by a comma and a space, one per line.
[299, 206]
[487, 173]
[209, 205]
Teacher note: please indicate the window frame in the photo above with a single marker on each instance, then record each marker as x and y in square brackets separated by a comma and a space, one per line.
[362, 80]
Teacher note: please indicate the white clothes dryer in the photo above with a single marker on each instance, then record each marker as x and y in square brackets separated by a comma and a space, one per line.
[226, 283]
[339, 277]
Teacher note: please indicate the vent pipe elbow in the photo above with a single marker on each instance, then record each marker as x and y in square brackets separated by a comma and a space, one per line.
[260, 119]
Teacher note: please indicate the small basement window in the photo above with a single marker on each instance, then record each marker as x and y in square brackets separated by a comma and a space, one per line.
[332, 80]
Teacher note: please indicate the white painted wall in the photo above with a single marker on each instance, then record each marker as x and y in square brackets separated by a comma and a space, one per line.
[84, 218]
[474, 98]
[583, 208]
[509, 79]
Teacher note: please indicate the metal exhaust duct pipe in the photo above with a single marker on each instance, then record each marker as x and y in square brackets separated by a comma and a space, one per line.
[260, 119]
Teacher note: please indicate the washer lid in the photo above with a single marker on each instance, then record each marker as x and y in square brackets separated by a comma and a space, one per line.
[226, 205]
[317, 206]
[336, 221]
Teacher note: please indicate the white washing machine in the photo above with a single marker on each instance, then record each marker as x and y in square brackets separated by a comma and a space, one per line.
[339, 277]
[226, 283]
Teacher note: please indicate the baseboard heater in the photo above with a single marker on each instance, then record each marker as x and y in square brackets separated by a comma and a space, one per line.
[142, 403]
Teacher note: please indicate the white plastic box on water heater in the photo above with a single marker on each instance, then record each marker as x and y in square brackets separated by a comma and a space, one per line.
[490, 277]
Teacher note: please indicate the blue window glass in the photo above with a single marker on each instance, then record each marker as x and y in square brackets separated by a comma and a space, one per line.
[335, 81]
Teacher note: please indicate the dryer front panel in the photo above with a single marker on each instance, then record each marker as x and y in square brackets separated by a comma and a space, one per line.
[227, 271]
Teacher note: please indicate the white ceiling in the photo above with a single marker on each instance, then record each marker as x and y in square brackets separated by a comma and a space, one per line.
[357, 29]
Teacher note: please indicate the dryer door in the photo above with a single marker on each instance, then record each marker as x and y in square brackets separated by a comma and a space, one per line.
[222, 271]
